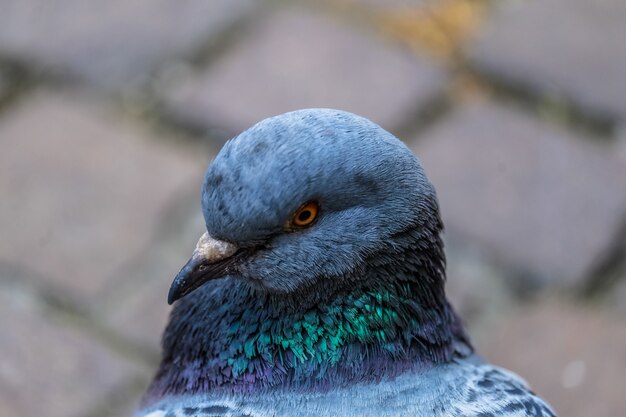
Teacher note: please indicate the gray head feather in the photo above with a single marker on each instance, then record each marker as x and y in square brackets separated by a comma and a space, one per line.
[368, 184]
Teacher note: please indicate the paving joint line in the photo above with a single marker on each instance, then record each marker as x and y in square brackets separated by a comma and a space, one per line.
[426, 116]
[20, 81]
[609, 271]
[557, 110]
[215, 46]
[72, 313]
[82, 320]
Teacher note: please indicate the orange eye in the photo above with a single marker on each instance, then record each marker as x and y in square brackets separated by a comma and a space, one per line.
[305, 215]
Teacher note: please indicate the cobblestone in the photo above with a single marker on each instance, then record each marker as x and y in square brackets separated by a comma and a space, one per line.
[386, 4]
[296, 59]
[572, 48]
[97, 208]
[111, 44]
[571, 355]
[49, 369]
[3, 85]
[138, 309]
[82, 192]
[527, 191]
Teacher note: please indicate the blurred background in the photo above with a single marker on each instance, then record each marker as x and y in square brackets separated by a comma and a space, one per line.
[110, 112]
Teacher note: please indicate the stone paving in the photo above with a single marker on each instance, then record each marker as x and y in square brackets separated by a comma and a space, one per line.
[554, 47]
[109, 114]
[113, 44]
[519, 176]
[322, 63]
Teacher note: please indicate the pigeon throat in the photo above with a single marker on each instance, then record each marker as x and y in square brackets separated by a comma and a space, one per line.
[397, 319]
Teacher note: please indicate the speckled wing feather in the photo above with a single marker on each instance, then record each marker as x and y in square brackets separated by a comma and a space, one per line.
[494, 392]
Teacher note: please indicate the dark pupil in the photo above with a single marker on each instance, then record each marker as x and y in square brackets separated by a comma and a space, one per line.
[304, 216]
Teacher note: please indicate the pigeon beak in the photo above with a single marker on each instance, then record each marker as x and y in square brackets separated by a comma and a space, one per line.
[205, 264]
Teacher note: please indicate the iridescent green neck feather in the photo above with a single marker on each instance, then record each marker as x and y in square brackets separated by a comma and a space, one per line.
[388, 318]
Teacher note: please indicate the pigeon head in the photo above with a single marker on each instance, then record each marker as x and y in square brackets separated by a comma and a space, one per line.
[327, 234]
[303, 200]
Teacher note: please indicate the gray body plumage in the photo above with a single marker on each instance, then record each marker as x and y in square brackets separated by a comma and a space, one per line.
[463, 388]
[344, 317]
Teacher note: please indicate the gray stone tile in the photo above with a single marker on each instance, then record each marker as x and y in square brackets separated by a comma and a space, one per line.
[475, 286]
[536, 197]
[110, 43]
[83, 192]
[50, 369]
[138, 309]
[573, 48]
[573, 356]
[619, 297]
[296, 59]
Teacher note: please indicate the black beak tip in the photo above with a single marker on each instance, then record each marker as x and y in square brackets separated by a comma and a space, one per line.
[180, 285]
[193, 275]
[172, 295]
[176, 291]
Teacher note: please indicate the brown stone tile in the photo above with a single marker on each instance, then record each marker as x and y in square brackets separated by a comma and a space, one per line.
[138, 310]
[536, 197]
[297, 58]
[83, 192]
[571, 48]
[384, 4]
[573, 356]
[111, 43]
[48, 368]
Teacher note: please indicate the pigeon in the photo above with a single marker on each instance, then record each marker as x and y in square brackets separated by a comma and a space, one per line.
[318, 287]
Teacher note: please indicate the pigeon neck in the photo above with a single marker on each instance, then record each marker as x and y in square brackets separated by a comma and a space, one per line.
[392, 317]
